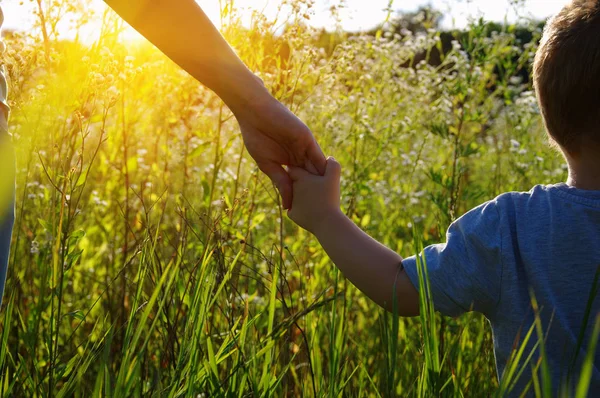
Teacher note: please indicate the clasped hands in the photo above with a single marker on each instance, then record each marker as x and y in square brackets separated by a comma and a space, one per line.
[275, 138]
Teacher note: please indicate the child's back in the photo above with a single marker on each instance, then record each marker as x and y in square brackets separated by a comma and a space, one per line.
[543, 244]
[553, 250]
[500, 258]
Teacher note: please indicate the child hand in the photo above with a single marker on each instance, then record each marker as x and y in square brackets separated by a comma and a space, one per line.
[315, 198]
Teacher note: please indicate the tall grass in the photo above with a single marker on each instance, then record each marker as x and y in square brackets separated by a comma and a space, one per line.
[150, 256]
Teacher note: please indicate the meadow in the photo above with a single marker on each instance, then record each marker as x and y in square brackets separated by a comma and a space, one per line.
[151, 257]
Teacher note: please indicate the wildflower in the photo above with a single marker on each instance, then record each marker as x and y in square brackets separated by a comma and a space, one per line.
[35, 247]
[98, 78]
[515, 80]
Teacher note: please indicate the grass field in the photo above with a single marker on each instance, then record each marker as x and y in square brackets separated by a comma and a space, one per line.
[150, 257]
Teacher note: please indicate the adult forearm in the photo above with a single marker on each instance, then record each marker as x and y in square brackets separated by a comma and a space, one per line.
[184, 33]
[369, 265]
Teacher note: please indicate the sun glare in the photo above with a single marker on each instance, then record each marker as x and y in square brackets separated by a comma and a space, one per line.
[354, 14]
[20, 14]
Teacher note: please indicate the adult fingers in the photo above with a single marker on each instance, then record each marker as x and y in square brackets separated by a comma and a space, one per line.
[317, 158]
[297, 173]
[282, 181]
[310, 167]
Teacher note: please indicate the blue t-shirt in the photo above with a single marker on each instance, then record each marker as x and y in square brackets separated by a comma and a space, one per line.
[545, 241]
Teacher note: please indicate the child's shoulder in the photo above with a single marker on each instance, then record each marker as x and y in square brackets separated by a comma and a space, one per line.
[518, 207]
[536, 190]
[543, 196]
[526, 213]
[516, 198]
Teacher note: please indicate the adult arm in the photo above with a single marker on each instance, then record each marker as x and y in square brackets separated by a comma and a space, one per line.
[273, 135]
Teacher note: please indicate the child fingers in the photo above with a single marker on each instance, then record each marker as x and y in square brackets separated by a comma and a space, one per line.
[334, 169]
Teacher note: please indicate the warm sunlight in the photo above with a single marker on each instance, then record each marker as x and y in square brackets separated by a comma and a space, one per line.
[346, 198]
[354, 14]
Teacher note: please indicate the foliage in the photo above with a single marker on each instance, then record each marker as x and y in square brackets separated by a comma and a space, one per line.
[151, 257]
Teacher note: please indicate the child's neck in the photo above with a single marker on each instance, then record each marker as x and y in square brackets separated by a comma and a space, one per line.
[584, 170]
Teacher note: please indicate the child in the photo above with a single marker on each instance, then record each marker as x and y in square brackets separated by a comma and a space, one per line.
[545, 242]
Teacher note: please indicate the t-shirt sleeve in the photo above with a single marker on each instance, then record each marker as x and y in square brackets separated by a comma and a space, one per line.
[465, 272]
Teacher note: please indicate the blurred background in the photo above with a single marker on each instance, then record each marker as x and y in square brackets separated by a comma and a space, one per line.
[349, 15]
[150, 257]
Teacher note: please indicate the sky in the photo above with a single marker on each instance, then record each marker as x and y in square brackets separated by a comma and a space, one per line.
[356, 15]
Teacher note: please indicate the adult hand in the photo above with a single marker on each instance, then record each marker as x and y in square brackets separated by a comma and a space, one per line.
[274, 136]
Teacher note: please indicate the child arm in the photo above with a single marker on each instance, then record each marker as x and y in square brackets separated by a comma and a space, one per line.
[373, 268]
[369, 265]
